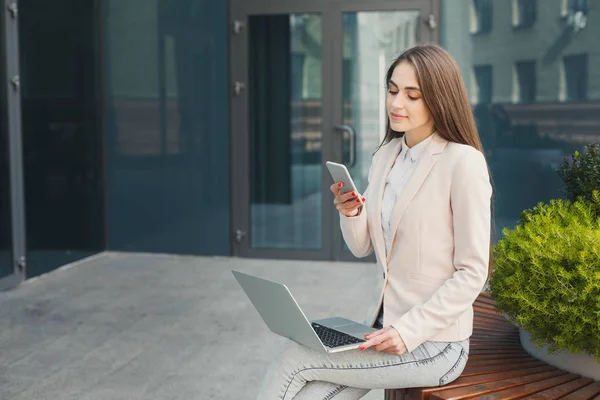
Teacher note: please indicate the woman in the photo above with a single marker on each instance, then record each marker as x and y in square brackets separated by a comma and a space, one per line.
[426, 215]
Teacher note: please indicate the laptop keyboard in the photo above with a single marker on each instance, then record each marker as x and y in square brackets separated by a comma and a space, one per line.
[332, 338]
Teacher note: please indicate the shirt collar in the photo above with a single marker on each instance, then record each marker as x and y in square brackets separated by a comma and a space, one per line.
[417, 150]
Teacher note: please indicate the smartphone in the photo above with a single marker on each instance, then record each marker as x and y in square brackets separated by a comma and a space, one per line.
[340, 173]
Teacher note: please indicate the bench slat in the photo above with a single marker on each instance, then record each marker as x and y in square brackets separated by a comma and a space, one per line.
[522, 391]
[561, 390]
[486, 325]
[480, 328]
[489, 313]
[482, 300]
[473, 381]
[492, 339]
[493, 355]
[486, 352]
[586, 393]
[484, 305]
[495, 327]
[496, 361]
[493, 347]
[480, 370]
[496, 356]
[478, 336]
[509, 386]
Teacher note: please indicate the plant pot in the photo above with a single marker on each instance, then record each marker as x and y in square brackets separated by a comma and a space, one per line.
[579, 363]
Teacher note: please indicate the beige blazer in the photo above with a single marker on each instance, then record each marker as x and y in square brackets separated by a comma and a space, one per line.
[438, 260]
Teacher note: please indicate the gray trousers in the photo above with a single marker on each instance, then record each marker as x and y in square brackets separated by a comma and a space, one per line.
[301, 373]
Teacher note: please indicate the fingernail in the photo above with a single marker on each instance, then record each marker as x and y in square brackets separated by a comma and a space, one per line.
[340, 184]
[353, 194]
[364, 199]
[362, 348]
[358, 200]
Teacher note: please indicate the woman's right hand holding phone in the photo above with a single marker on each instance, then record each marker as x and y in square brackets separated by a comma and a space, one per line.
[349, 204]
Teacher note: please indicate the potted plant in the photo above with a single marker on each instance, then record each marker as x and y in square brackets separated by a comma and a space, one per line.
[546, 277]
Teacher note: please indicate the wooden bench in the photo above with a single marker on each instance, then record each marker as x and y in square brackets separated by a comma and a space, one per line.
[499, 368]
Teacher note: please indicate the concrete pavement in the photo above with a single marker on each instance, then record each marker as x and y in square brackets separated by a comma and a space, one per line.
[143, 326]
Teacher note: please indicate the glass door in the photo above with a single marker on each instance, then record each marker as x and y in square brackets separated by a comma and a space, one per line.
[307, 87]
[371, 37]
[278, 118]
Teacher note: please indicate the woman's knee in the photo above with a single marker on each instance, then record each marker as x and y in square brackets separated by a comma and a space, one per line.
[294, 354]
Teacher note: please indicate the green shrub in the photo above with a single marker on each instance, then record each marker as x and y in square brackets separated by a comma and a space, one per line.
[546, 275]
[581, 174]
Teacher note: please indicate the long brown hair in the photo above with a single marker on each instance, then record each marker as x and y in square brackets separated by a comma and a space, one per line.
[445, 95]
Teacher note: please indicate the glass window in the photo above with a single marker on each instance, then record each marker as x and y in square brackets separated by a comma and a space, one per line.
[481, 16]
[483, 84]
[575, 77]
[166, 125]
[525, 82]
[524, 13]
[62, 139]
[545, 102]
[574, 13]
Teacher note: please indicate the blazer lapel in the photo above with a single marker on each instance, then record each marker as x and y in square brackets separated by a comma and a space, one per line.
[403, 200]
[379, 178]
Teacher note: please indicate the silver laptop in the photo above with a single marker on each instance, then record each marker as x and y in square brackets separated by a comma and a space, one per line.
[282, 314]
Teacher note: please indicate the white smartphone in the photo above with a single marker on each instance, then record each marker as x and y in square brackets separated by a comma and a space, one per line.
[340, 173]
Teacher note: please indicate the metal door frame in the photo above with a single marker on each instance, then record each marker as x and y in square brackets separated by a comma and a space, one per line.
[331, 59]
[11, 37]
[240, 10]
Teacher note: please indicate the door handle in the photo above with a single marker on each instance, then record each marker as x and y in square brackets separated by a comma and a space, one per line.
[352, 138]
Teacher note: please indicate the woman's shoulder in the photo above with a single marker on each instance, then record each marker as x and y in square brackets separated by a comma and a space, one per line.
[464, 159]
[462, 152]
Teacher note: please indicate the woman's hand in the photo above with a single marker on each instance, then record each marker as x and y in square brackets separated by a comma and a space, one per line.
[349, 204]
[387, 339]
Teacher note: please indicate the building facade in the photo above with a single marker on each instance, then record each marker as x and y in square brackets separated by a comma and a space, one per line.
[199, 127]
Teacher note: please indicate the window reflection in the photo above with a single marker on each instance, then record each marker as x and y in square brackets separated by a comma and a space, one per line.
[525, 82]
[62, 140]
[575, 76]
[524, 13]
[534, 98]
[166, 125]
[285, 111]
[481, 16]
